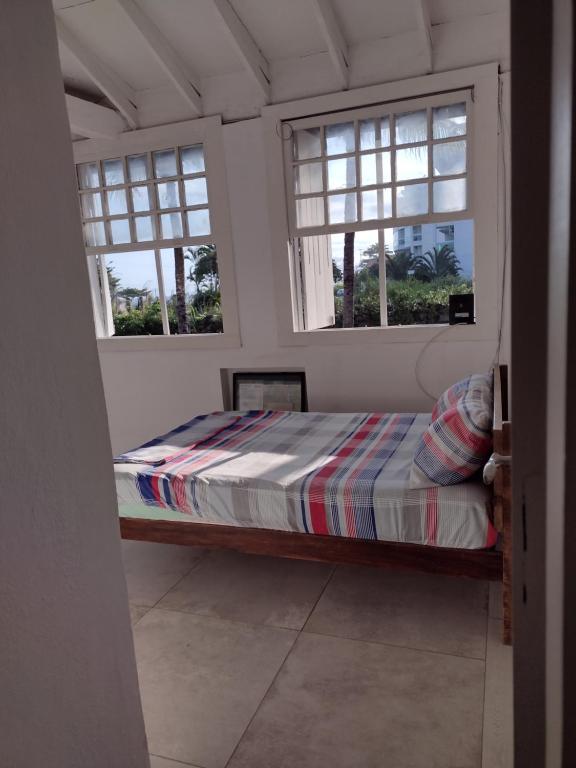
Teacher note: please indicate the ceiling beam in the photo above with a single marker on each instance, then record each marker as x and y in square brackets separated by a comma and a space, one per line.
[164, 53]
[425, 27]
[337, 47]
[119, 92]
[93, 121]
[253, 59]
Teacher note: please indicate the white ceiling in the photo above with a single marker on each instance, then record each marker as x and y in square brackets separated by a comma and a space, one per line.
[284, 31]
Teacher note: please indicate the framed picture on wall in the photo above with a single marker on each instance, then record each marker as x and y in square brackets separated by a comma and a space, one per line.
[269, 391]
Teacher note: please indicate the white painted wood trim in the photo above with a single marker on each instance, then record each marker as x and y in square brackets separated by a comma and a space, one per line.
[425, 27]
[332, 34]
[119, 92]
[92, 120]
[165, 54]
[483, 191]
[207, 131]
[254, 61]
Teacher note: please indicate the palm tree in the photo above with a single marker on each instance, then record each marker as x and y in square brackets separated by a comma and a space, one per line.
[180, 279]
[348, 265]
[204, 271]
[400, 264]
[436, 264]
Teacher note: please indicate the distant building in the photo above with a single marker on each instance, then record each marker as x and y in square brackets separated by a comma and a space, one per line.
[419, 238]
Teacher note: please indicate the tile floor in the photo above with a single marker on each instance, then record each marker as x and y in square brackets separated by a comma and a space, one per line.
[255, 662]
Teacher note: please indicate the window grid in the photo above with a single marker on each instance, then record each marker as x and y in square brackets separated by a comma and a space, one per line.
[363, 220]
[151, 214]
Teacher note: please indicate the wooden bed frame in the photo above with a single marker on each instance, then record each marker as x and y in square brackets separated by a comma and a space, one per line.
[488, 564]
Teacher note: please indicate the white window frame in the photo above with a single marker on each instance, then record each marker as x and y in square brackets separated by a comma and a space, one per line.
[482, 166]
[390, 110]
[205, 131]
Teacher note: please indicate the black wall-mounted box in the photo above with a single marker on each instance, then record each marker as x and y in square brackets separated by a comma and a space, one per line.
[461, 309]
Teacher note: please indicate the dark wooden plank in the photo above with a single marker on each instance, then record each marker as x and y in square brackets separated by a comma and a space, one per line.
[473, 563]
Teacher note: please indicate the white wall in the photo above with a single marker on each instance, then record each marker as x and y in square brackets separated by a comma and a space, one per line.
[149, 392]
[68, 687]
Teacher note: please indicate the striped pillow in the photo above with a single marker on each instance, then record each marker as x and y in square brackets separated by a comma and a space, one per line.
[454, 447]
[475, 387]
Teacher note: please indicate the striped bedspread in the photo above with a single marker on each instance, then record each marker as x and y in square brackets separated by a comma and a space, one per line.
[341, 474]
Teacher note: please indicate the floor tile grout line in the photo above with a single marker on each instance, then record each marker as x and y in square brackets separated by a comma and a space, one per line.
[188, 572]
[394, 645]
[320, 596]
[266, 692]
[280, 668]
[177, 762]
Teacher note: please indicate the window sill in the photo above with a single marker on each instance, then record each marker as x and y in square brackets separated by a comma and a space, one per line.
[205, 341]
[386, 335]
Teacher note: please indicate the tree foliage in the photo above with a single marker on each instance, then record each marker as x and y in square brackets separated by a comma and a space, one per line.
[437, 263]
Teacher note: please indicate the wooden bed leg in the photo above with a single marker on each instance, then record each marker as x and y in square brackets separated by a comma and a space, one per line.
[507, 557]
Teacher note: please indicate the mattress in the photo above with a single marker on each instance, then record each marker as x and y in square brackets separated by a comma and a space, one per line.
[338, 474]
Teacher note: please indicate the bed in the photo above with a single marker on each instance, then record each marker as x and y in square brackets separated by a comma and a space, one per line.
[322, 486]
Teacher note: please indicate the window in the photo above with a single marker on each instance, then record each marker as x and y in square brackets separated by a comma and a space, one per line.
[387, 285]
[154, 243]
[445, 235]
[364, 190]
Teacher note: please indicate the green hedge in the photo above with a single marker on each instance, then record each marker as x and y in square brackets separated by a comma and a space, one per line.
[410, 302]
[148, 321]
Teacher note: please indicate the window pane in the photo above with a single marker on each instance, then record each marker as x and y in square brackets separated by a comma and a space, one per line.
[375, 133]
[412, 200]
[310, 212]
[192, 159]
[308, 178]
[91, 205]
[420, 278]
[307, 143]
[116, 201]
[366, 276]
[133, 284]
[445, 233]
[113, 172]
[449, 121]
[168, 195]
[144, 228]
[195, 307]
[120, 229]
[195, 191]
[449, 158]
[376, 204]
[411, 127]
[339, 138]
[375, 168]
[94, 233]
[342, 208]
[342, 173]
[171, 226]
[141, 198]
[138, 167]
[198, 222]
[411, 163]
[165, 163]
[88, 176]
[449, 195]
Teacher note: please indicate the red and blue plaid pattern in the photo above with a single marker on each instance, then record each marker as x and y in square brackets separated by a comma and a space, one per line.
[454, 447]
[477, 387]
[320, 473]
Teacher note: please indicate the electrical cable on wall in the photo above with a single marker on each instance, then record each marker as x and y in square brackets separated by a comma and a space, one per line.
[503, 133]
